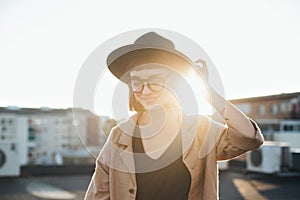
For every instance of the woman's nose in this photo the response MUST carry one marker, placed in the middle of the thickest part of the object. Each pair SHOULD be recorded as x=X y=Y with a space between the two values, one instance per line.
x=146 y=89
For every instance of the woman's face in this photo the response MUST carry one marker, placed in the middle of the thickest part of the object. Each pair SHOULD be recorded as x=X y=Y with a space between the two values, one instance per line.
x=150 y=88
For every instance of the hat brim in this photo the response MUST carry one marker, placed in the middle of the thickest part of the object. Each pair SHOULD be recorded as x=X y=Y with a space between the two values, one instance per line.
x=130 y=57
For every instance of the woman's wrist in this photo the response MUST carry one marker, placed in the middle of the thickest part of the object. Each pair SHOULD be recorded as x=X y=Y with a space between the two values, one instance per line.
x=218 y=102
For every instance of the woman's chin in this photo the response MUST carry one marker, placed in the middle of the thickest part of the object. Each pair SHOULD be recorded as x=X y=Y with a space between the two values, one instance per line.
x=149 y=106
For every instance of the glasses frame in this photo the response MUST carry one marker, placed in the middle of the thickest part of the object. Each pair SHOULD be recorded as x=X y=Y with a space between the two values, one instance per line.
x=150 y=83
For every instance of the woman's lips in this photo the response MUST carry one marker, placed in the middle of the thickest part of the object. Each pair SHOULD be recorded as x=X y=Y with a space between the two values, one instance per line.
x=148 y=99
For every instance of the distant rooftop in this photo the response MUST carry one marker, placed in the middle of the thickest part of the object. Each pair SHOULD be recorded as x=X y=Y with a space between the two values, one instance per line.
x=19 y=110
x=269 y=97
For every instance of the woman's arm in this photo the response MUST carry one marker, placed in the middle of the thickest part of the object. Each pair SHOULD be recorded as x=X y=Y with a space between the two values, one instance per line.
x=238 y=120
x=242 y=135
x=99 y=185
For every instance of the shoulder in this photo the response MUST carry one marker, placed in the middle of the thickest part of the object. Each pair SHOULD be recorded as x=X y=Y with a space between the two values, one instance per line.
x=114 y=134
x=123 y=128
x=118 y=136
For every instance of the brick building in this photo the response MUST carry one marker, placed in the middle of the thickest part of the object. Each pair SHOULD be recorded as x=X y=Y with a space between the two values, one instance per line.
x=278 y=107
x=277 y=115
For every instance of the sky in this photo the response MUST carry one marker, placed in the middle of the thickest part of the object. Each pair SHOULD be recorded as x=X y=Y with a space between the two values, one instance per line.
x=254 y=45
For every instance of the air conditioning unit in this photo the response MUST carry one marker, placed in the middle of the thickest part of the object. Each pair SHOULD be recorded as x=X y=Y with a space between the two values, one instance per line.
x=270 y=158
x=9 y=160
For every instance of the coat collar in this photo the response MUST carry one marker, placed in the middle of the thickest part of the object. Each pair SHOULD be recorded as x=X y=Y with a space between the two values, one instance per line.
x=123 y=140
x=189 y=129
x=127 y=130
x=197 y=130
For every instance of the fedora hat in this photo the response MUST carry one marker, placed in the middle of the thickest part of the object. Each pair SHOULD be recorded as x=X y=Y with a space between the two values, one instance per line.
x=149 y=48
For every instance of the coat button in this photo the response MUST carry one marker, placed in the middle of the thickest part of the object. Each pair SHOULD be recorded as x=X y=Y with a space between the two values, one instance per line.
x=131 y=190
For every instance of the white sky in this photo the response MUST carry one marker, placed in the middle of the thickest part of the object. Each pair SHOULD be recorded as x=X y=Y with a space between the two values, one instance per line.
x=254 y=44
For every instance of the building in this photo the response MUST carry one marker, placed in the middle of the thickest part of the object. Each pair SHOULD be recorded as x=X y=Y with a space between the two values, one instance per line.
x=270 y=111
x=11 y=155
x=280 y=106
x=278 y=116
x=52 y=136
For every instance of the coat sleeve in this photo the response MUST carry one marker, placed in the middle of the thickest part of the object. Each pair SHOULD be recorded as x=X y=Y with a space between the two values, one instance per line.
x=242 y=134
x=99 y=187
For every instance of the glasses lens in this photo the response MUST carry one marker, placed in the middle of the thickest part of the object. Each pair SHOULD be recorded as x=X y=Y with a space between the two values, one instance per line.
x=155 y=87
x=137 y=85
x=155 y=84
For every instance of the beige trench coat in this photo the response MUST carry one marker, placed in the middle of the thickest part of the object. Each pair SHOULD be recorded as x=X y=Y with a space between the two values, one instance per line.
x=203 y=144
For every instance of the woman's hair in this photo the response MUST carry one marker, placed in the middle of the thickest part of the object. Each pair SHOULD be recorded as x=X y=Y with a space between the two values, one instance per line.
x=134 y=105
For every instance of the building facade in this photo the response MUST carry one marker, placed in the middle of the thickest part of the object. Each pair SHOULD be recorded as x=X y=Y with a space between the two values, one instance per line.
x=52 y=136
x=270 y=111
x=281 y=106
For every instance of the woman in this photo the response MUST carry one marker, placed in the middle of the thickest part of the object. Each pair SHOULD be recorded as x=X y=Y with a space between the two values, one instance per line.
x=161 y=153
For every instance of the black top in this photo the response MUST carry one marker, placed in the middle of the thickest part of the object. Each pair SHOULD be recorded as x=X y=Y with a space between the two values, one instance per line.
x=168 y=182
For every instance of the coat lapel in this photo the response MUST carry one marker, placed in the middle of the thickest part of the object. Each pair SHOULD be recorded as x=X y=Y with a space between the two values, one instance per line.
x=125 y=142
x=189 y=130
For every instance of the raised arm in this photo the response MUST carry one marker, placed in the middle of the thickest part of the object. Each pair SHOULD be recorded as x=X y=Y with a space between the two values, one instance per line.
x=242 y=133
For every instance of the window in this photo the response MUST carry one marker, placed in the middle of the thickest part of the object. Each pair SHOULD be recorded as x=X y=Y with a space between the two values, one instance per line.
x=288 y=128
x=284 y=107
x=262 y=109
x=4 y=129
x=274 y=109
x=244 y=107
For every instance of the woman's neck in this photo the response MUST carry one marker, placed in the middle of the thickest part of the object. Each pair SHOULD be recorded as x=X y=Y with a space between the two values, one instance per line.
x=158 y=113
x=157 y=120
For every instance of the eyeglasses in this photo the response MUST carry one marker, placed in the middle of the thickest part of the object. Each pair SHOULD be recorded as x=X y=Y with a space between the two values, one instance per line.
x=155 y=84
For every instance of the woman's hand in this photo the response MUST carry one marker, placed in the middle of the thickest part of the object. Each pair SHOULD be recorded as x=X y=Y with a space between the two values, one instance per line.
x=217 y=101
